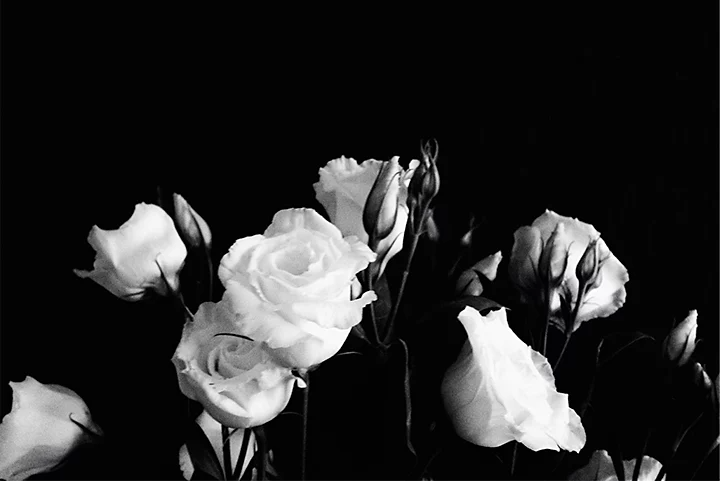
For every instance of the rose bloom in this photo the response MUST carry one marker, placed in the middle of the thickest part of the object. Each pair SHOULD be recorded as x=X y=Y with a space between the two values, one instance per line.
x=343 y=189
x=235 y=379
x=127 y=259
x=600 y=468
x=501 y=390
x=39 y=433
x=291 y=286
x=600 y=301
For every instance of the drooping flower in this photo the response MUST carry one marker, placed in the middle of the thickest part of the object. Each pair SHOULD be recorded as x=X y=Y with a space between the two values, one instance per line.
x=128 y=260
x=47 y=422
x=501 y=390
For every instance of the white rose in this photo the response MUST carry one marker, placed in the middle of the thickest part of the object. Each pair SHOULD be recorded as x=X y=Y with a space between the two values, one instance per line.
x=127 y=259
x=39 y=433
x=235 y=379
x=291 y=286
x=213 y=431
x=501 y=390
x=343 y=190
x=601 y=468
x=601 y=300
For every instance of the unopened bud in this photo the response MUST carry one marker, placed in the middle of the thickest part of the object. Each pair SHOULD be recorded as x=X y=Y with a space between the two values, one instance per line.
x=489 y=265
x=554 y=258
x=468 y=284
x=701 y=378
x=382 y=204
x=425 y=182
x=680 y=344
x=588 y=266
x=431 y=227
x=193 y=228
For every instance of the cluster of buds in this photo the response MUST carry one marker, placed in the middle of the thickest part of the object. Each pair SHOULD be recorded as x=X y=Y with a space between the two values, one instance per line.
x=424 y=186
x=383 y=203
x=680 y=344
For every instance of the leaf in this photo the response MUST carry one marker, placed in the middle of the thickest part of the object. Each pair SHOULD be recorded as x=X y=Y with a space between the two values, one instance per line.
x=202 y=453
x=616 y=343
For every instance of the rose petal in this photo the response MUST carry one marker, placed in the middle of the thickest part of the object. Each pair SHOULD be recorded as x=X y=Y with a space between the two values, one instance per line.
x=289 y=220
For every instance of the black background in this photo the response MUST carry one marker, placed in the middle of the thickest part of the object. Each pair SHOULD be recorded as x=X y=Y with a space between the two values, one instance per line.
x=609 y=115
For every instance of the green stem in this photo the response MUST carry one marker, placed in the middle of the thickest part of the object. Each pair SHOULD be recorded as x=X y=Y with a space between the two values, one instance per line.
x=406 y=273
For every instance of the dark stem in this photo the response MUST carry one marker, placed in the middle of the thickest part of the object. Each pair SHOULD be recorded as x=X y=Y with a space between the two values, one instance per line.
x=306 y=403
x=375 y=334
x=712 y=448
x=262 y=451
x=406 y=273
x=676 y=445
x=639 y=459
x=546 y=324
x=227 y=462
x=240 y=464
x=513 y=458
x=562 y=351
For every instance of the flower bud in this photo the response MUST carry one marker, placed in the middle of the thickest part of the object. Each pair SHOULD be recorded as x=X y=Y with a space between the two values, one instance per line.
x=193 y=228
x=588 y=266
x=381 y=208
x=554 y=258
x=680 y=344
x=425 y=182
x=701 y=378
x=468 y=284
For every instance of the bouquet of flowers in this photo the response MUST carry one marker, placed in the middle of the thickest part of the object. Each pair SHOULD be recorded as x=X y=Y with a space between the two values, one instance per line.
x=448 y=363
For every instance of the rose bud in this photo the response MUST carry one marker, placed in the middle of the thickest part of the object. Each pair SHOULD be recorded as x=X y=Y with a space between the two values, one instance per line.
x=554 y=258
x=469 y=283
x=425 y=183
x=193 y=228
x=343 y=190
x=588 y=267
x=701 y=378
x=381 y=207
x=680 y=344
